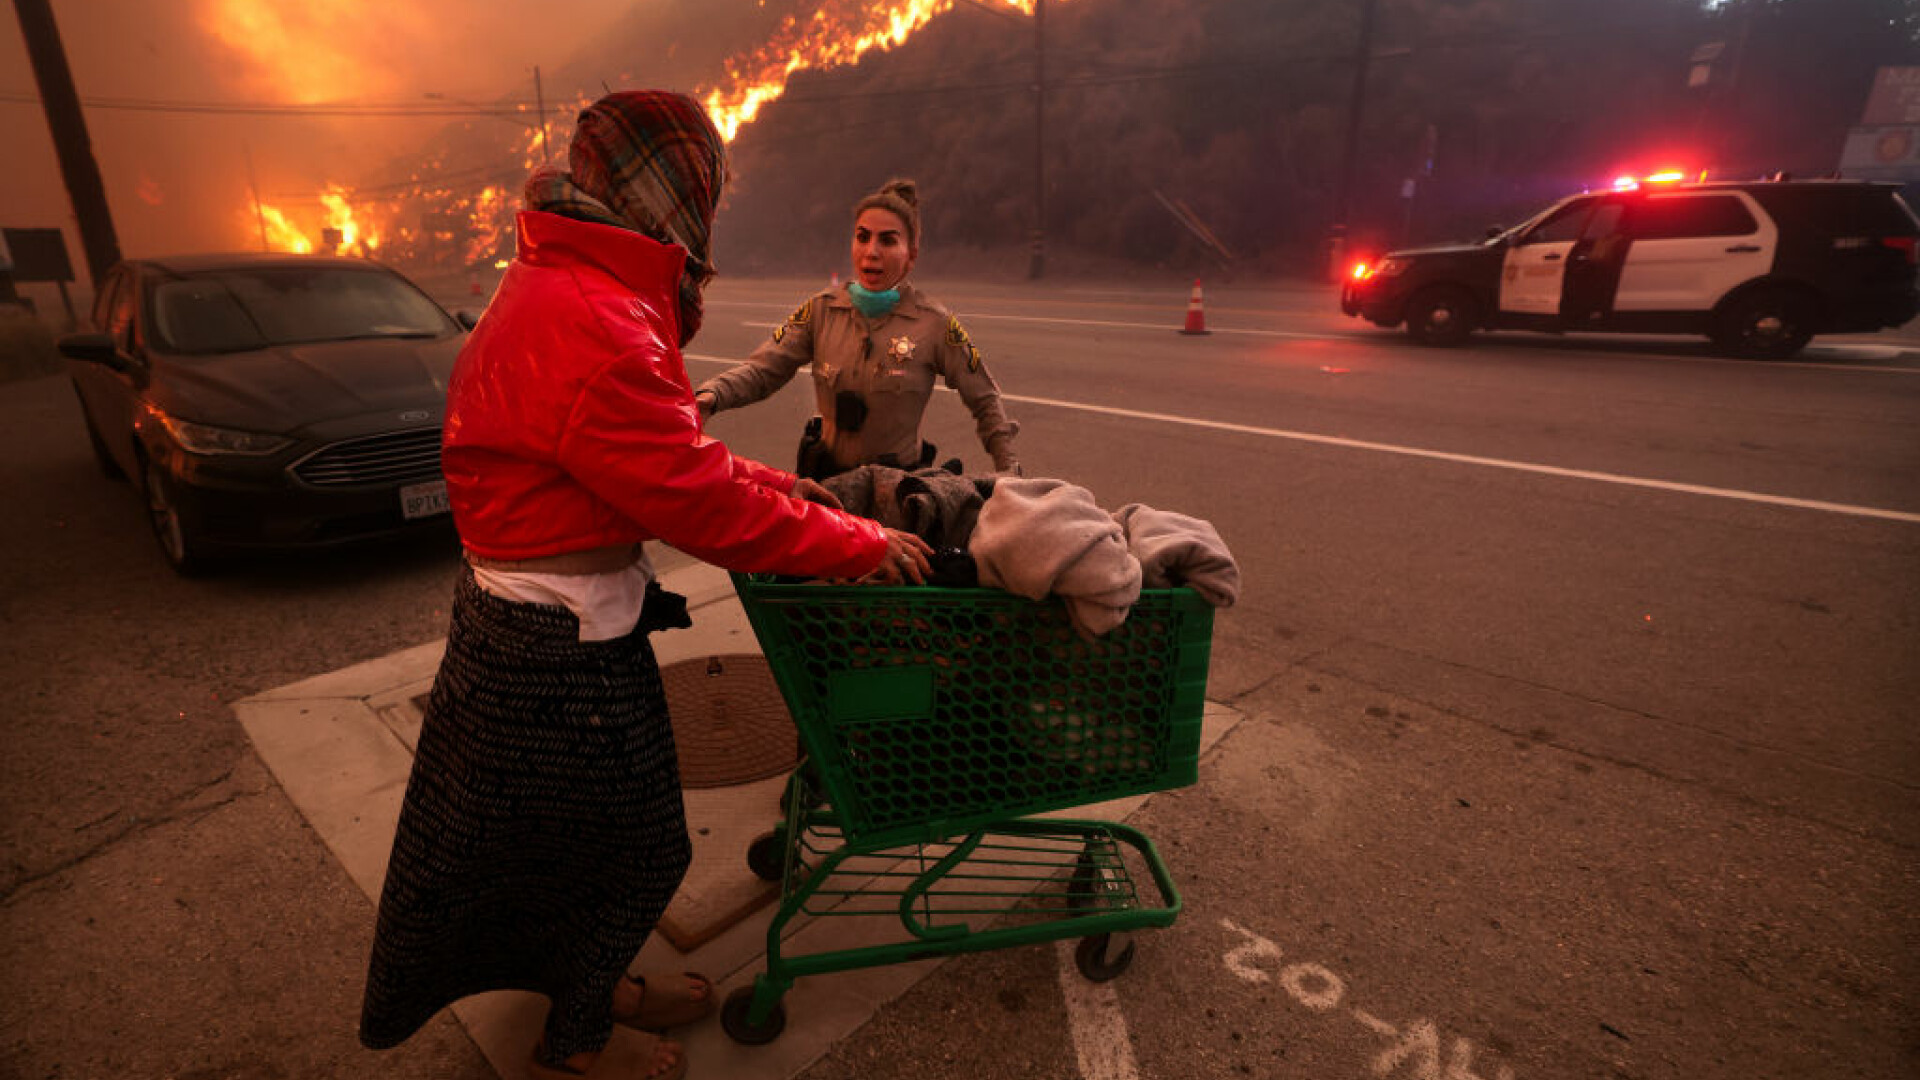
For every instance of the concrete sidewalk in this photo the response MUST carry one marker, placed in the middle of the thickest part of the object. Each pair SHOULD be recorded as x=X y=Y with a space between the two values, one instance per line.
x=341 y=745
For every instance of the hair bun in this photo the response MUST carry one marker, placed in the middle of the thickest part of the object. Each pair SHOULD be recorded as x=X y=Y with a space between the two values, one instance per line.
x=901 y=198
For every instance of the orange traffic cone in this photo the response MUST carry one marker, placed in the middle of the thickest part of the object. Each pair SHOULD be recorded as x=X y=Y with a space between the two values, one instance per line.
x=1196 y=315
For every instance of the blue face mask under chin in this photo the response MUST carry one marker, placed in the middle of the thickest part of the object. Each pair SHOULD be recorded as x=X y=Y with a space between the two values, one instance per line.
x=872 y=304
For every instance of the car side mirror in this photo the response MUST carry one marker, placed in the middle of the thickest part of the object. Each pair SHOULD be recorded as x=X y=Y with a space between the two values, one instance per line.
x=467 y=319
x=94 y=348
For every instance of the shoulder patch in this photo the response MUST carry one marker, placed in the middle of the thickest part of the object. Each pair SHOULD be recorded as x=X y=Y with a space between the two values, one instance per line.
x=956 y=334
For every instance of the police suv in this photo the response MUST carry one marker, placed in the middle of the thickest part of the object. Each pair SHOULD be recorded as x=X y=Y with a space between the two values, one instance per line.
x=1758 y=266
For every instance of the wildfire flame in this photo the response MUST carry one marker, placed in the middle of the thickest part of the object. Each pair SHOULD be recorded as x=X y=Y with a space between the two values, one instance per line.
x=839 y=32
x=278 y=233
x=340 y=218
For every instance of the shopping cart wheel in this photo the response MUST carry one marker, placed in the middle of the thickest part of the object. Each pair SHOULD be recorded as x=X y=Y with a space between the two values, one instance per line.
x=1094 y=960
x=767 y=855
x=733 y=1019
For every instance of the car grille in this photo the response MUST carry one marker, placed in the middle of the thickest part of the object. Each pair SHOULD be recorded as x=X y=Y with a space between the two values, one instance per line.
x=400 y=457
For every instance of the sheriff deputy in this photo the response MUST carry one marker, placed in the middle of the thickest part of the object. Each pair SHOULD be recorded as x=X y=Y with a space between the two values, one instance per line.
x=875 y=345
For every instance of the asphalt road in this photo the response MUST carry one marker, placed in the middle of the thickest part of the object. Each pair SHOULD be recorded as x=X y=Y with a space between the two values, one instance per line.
x=1579 y=741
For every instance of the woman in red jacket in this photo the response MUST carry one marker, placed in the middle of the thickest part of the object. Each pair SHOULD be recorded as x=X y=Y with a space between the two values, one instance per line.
x=542 y=832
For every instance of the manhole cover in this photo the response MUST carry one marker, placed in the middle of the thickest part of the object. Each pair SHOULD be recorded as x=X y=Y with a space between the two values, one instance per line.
x=730 y=724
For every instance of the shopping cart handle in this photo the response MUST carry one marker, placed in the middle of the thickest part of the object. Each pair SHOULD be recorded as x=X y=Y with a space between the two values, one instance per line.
x=925 y=881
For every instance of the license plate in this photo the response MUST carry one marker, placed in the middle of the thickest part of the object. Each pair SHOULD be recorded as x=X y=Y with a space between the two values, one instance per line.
x=424 y=500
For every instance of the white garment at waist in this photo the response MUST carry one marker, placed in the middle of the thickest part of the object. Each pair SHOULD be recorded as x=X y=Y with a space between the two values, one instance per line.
x=607 y=603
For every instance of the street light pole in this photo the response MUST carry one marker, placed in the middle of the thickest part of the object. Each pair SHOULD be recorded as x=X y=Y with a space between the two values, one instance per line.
x=1356 y=103
x=1037 y=268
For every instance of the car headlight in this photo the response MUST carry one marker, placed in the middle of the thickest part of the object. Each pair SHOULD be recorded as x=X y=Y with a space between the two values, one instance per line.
x=1389 y=267
x=207 y=439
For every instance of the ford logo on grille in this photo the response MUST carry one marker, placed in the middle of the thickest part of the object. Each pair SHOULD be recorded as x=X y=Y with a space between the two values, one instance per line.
x=413 y=415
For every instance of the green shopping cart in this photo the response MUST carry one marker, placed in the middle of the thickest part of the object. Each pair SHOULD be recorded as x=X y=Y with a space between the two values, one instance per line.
x=941 y=728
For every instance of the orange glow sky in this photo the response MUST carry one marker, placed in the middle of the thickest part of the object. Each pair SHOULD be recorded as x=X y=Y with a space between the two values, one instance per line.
x=173 y=179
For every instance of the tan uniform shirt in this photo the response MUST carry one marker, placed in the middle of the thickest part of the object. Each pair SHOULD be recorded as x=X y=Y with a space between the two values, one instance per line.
x=890 y=363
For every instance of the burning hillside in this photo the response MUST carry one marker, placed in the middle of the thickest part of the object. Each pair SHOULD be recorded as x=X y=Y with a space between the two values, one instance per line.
x=456 y=205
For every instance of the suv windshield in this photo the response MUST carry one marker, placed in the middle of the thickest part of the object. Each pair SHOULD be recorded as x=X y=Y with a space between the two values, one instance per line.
x=233 y=310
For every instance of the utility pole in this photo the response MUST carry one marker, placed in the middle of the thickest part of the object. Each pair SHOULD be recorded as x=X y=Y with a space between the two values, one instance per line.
x=1038 y=267
x=540 y=102
x=259 y=215
x=70 y=142
x=1356 y=103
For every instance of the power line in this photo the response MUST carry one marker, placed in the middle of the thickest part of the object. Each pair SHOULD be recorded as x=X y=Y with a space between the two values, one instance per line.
x=430 y=110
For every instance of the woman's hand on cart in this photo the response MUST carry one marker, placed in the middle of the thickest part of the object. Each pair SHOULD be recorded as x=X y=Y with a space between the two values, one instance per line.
x=815 y=492
x=906 y=561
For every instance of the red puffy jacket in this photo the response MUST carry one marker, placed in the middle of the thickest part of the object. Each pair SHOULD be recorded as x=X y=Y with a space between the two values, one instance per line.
x=571 y=425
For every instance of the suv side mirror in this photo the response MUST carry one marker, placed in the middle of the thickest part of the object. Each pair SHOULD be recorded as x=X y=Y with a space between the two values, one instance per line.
x=94 y=348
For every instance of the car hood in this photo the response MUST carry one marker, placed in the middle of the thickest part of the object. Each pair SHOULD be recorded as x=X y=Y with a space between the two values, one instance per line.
x=289 y=387
x=1463 y=247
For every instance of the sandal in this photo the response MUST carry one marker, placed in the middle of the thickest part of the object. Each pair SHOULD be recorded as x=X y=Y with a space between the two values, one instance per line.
x=618 y=1064
x=668 y=1003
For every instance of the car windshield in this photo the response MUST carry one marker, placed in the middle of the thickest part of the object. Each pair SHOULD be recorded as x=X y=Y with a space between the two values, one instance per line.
x=234 y=310
x=1513 y=232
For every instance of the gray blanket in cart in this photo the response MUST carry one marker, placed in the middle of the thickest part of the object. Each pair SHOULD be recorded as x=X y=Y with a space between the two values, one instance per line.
x=1038 y=537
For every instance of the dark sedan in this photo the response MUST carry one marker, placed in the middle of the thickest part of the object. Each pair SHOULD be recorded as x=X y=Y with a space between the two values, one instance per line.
x=268 y=401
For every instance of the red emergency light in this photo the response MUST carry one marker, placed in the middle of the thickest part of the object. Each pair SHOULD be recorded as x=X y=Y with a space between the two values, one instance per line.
x=1663 y=176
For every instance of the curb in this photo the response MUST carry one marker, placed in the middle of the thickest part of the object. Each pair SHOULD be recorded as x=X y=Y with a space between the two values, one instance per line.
x=341 y=746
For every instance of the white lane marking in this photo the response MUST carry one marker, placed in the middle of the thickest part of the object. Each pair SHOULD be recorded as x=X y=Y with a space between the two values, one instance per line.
x=1100 y=1039
x=1166 y=326
x=1457 y=459
x=1363 y=336
x=1485 y=462
x=758 y=325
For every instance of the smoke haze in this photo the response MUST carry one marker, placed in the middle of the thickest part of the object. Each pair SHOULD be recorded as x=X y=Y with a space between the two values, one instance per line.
x=177 y=172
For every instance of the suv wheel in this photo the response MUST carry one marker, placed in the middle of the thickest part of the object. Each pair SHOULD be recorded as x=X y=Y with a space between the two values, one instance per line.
x=178 y=538
x=1442 y=316
x=1766 y=324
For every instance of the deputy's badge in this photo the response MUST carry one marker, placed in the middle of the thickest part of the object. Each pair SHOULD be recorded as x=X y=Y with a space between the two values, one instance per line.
x=901 y=350
x=956 y=334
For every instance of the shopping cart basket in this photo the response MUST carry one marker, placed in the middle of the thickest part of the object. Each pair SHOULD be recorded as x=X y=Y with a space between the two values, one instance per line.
x=936 y=724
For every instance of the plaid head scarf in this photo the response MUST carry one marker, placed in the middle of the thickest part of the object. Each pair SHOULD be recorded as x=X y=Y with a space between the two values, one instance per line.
x=650 y=161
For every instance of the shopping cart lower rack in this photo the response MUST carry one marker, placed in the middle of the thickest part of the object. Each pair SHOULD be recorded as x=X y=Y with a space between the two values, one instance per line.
x=938 y=725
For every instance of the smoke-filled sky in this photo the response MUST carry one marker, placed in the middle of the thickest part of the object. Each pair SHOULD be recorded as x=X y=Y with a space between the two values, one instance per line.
x=177 y=175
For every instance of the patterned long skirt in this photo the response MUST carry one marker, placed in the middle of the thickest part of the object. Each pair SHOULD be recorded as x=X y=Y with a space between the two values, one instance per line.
x=542 y=832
